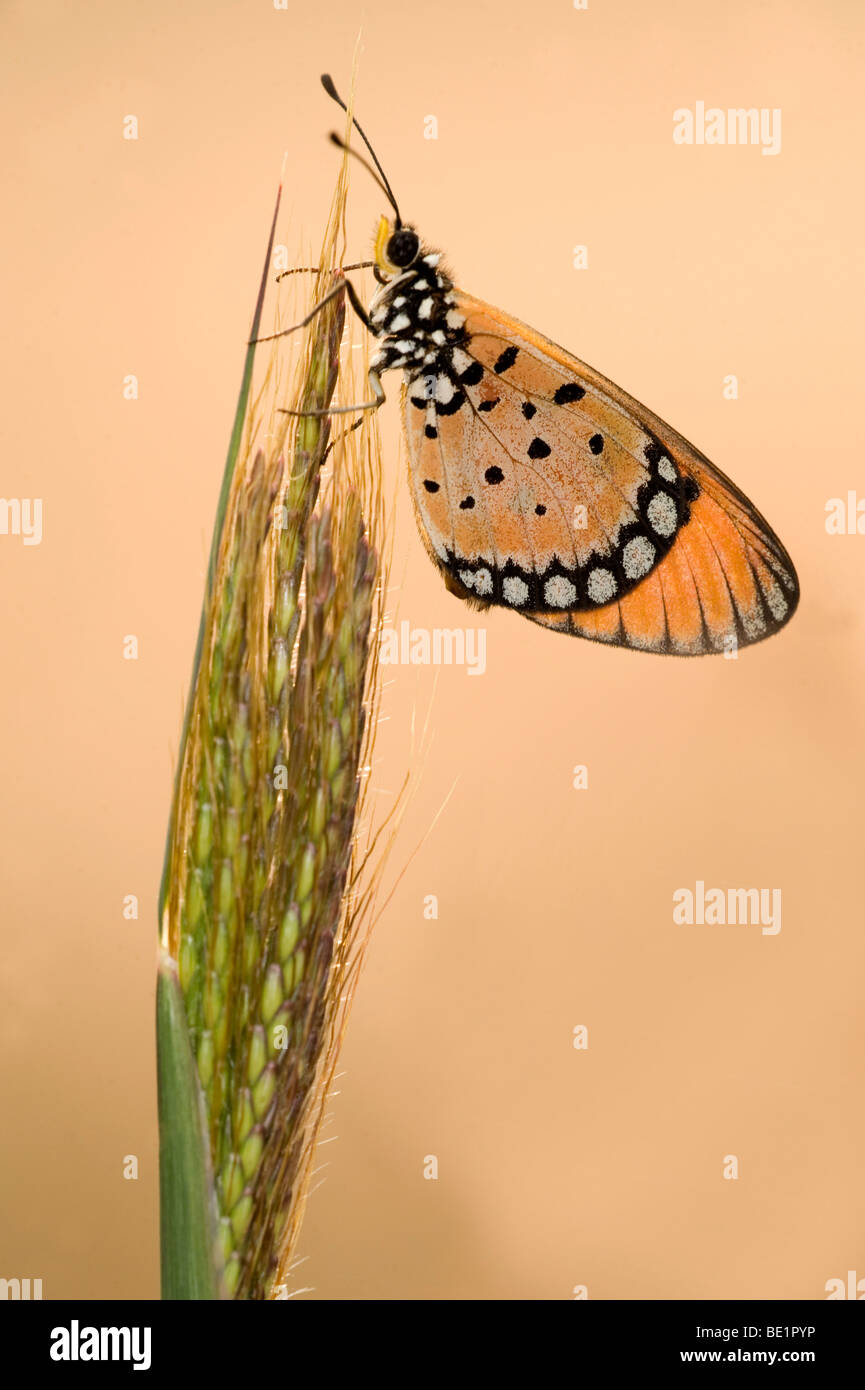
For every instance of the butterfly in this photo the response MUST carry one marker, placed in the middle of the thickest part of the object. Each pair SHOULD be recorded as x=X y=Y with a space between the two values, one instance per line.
x=542 y=487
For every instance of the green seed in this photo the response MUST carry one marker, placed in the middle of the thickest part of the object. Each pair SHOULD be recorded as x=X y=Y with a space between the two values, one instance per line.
x=262 y=1092
x=280 y=659
x=240 y=1216
x=285 y=606
x=318 y=813
x=250 y=1154
x=271 y=995
x=204 y=833
x=244 y=1113
x=289 y=932
x=194 y=899
x=225 y=1237
x=257 y=1054
x=225 y=890
x=188 y=962
x=213 y=999
x=205 y=1058
x=232 y=1182
x=306 y=876
x=232 y=1273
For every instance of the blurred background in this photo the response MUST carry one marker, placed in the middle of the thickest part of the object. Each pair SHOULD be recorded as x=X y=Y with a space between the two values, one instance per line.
x=558 y=1168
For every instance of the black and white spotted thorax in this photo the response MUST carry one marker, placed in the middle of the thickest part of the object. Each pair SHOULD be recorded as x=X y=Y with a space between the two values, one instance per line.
x=415 y=315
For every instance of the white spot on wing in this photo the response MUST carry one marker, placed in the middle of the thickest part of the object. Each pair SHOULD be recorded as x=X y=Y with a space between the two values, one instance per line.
x=661 y=512
x=638 y=557
x=559 y=591
x=515 y=590
x=601 y=585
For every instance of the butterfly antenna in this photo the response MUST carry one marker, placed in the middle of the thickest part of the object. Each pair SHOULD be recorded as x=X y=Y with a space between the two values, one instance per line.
x=380 y=177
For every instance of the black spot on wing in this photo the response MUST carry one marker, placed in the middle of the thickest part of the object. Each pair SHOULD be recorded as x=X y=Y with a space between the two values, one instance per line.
x=539 y=448
x=568 y=392
x=505 y=360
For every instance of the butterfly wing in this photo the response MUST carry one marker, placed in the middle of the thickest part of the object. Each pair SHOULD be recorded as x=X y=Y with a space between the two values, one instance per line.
x=542 y=487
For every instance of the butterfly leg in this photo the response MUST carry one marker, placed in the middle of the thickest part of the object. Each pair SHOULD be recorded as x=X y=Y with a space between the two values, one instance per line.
x=378 y=398
x=336 y=289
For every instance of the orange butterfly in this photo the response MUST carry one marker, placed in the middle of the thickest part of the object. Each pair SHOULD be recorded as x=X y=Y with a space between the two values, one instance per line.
x=542 y=487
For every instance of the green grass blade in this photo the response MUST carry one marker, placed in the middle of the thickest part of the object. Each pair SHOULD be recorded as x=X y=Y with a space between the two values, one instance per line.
x=188 y=1219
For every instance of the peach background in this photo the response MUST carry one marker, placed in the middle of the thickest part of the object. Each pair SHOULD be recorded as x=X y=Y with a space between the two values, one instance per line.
x=557 y=1167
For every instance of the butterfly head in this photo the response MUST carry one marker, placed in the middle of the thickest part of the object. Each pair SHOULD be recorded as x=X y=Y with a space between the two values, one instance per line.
x=397 y=247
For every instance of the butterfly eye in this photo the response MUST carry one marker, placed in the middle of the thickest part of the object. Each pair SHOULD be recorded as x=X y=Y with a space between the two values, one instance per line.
x=402 y=248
